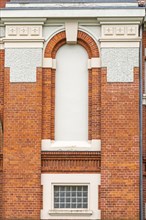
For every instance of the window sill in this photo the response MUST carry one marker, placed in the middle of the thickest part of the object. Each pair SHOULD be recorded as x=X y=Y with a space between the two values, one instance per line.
x=72 y=212
x=48 y=145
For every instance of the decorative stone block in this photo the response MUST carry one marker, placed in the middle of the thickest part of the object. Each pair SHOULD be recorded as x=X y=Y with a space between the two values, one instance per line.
x=131 y=30
x=12 y=31
x=71 y=29
x=35 y=31
x=23 y=31
x=120 y=30
x=108 y=30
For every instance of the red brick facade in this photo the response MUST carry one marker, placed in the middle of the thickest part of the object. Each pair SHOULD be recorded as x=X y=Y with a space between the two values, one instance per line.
x=27 y=113
x=120 y=149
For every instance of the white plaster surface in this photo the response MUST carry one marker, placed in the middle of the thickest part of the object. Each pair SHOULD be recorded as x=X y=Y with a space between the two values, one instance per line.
x=92 y=180
x=120 y=63
x=71 y=94
x=2 y=31
x=23 y=63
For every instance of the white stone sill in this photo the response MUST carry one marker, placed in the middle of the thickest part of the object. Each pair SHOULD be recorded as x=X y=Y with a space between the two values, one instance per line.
x=48 y=145
x=71 y=212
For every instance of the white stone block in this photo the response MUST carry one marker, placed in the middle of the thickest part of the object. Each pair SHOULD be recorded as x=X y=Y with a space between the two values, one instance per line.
x=71 y=28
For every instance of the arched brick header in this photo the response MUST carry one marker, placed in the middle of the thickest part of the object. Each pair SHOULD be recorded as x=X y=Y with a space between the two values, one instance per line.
x=94 y=83
x=60 y=39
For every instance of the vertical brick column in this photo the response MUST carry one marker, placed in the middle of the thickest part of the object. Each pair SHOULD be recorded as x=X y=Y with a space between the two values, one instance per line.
x=1 y=120
x=2 y=53
x=120 y=148
x=22 y=148
x=144 y=123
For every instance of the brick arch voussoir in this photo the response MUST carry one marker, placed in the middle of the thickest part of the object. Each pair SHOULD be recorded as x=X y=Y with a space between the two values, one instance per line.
x=53 y=44
x=83 y=39
x=88 y=43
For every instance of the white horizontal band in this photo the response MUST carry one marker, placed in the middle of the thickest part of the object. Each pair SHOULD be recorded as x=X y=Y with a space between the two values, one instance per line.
x=70 y=212
x=48 y=145
x=49 y=63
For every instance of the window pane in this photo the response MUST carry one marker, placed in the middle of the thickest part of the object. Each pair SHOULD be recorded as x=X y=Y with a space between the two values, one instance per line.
x=75 y=197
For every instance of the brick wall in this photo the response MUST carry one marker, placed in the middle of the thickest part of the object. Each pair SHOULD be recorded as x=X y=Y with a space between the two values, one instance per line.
x=3 y=3
x=144 y=122
x=1 y=120
x=120 y=149
x=2 y=53
x=22 y=150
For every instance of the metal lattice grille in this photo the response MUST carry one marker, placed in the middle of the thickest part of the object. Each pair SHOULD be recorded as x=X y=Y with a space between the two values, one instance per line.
x=71 y=197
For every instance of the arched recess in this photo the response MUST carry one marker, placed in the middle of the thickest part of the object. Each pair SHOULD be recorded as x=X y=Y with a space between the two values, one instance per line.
x=94 y=79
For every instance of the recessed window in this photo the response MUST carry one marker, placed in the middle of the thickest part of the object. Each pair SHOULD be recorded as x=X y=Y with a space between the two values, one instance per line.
x=71 y=94
x=71 y=197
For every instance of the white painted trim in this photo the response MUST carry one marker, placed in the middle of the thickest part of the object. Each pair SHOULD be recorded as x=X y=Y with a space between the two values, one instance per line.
x=24 y=45
x=94 y=63
x=65 y=212
x=48 y=145
x=49 y=180
x=129 y=13
x=1 y=45
x=71 y=4
x=112 y=44
x=49 y=63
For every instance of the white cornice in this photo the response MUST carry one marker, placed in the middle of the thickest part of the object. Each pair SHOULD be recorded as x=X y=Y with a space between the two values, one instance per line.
x=133 y=14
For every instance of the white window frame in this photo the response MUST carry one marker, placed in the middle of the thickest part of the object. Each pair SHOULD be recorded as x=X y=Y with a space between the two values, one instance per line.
x=69 y=210
x=50 y=180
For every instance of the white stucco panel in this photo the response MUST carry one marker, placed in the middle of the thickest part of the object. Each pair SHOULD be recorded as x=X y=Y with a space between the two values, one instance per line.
x=120 y=63
x=23 y=63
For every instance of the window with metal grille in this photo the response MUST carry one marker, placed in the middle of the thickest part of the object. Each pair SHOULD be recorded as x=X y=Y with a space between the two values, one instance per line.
x=71 y=197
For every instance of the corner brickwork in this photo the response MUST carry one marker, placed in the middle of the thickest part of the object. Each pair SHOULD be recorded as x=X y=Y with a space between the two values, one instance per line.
x=22 y=149
x=144 y=124
x=120 y=149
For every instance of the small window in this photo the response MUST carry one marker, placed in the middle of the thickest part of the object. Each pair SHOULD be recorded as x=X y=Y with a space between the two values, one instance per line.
x=70 y=197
